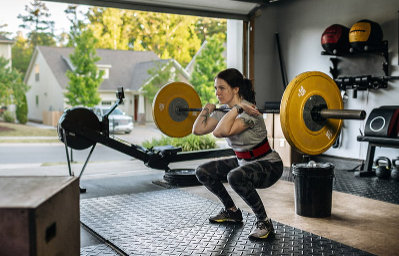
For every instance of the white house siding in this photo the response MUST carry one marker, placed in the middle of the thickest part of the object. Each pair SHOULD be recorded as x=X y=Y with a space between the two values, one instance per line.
x=5 y=50
x=148 y=110
x=128 y=103
x=47 y=89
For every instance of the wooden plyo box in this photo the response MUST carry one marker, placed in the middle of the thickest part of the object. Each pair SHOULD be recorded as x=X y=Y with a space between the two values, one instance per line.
x=39 y=216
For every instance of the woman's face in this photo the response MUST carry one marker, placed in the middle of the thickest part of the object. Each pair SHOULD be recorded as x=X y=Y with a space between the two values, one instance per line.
x=224 y=92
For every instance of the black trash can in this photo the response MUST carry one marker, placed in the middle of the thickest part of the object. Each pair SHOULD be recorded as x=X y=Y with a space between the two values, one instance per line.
x=313 y=188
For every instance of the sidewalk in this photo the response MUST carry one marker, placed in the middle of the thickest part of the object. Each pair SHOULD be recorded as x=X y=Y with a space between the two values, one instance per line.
x=39 y=125
x=139 y=134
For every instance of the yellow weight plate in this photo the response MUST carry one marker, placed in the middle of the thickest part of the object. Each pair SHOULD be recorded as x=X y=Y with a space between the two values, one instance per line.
x=163 y=109
x=297 y=93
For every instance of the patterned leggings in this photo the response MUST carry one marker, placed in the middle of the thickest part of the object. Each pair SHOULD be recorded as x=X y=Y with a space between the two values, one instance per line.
x=243 y=179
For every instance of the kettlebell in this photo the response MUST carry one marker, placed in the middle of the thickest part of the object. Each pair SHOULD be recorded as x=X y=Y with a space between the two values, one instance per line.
x=395 y=169
x=383 y=171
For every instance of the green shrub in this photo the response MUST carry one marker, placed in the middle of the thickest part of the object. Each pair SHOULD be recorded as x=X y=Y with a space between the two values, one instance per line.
x=188 y=143
x=22 y=111
x=8 y=117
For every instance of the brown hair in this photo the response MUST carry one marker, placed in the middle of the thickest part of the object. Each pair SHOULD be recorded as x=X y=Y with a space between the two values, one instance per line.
x=234 y=79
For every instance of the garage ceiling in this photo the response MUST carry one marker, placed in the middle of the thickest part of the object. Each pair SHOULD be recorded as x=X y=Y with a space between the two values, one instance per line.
x=229 y=9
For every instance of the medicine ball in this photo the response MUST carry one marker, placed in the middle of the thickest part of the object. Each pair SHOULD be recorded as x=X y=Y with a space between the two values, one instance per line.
x=365 y=32
x=334 y=39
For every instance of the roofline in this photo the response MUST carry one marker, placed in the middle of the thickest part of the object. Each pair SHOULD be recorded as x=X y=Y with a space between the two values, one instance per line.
x=30 y=66
x=185 y=73
x=176 y=64
x=7 y=41
x=196 y=54
x=68 y=62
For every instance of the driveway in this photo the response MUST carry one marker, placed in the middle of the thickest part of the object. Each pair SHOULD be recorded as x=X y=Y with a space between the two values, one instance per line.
x=142 y=133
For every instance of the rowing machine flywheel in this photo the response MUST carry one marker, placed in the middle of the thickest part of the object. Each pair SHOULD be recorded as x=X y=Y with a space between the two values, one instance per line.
x=74 y=120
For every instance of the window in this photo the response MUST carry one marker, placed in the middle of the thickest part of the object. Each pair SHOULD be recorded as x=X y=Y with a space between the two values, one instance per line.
x=37 y=100
x=106 y=103
x=37 y=72
x=105 y=68
x=106 y=72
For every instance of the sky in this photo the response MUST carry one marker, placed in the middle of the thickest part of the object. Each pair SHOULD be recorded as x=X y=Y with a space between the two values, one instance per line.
x=10 y=11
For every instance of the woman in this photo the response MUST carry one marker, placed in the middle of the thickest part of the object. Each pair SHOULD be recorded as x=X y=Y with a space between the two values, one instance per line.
x=255 y=165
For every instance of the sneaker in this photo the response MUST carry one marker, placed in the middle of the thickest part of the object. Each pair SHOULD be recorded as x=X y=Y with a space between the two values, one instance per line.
x=227 y=216
x=263 y=229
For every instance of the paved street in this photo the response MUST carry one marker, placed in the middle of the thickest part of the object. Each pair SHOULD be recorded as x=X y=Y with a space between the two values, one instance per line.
x=51 y=153
x=27 y=158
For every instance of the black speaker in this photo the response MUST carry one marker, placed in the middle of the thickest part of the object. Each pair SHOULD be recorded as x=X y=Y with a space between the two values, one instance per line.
x=383 y=122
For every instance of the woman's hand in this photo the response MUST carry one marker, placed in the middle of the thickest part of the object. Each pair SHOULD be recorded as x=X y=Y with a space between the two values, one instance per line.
x=205 y=123
x=211 y=107
x=250 y=109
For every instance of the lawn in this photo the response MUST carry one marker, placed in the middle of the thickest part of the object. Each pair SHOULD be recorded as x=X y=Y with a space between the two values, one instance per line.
x=11 y=129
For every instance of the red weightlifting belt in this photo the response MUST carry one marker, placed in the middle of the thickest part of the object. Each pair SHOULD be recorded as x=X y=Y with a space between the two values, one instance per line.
x=258 y=151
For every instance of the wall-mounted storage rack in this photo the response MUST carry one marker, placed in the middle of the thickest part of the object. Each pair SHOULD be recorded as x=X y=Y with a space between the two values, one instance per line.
x=361 y=69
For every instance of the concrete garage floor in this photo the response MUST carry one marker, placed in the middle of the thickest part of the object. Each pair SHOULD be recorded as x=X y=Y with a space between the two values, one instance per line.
x=359 y=222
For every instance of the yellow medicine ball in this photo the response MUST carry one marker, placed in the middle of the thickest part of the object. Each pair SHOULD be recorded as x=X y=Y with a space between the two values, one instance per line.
x=365 y=32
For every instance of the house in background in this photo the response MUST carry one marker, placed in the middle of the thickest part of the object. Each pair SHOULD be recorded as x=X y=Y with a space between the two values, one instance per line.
x=5 y=47
x=46 y=76
x=5 y=52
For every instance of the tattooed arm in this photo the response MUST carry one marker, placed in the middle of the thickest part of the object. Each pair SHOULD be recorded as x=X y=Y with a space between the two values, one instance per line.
x=230 y=125
x=204 y=123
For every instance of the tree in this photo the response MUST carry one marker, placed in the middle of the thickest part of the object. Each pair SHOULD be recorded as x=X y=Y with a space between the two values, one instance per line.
x=207 y=64
x=21 y=53
x=168 y=35
x=12 y=87
x=111 y=26
x=161 y=74
x=37 y=21
x=22 y=111
x=76 y=28
x=4 y=33
x=41 y=33
x=207 y=27
x=85 y=78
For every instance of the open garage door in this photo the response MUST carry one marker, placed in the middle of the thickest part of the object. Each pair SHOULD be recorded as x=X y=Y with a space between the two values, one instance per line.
x=228 y=9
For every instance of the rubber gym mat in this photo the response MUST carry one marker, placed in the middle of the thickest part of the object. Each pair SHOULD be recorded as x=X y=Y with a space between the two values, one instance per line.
x=97 y=250
x=174 y=222
x=369 y=187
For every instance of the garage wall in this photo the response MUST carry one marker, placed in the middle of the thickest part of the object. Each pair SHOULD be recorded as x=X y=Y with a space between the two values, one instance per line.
x=234 y=42
x=300 y=24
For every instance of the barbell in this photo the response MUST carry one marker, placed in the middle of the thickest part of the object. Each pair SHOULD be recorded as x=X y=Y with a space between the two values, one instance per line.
x=311 y=111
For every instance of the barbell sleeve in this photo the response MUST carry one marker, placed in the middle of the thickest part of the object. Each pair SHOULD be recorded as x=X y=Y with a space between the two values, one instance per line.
x=342 y=114
x=324 y=113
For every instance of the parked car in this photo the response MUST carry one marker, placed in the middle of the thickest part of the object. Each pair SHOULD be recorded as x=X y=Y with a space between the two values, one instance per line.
x=2 y=110
x=119 y=122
